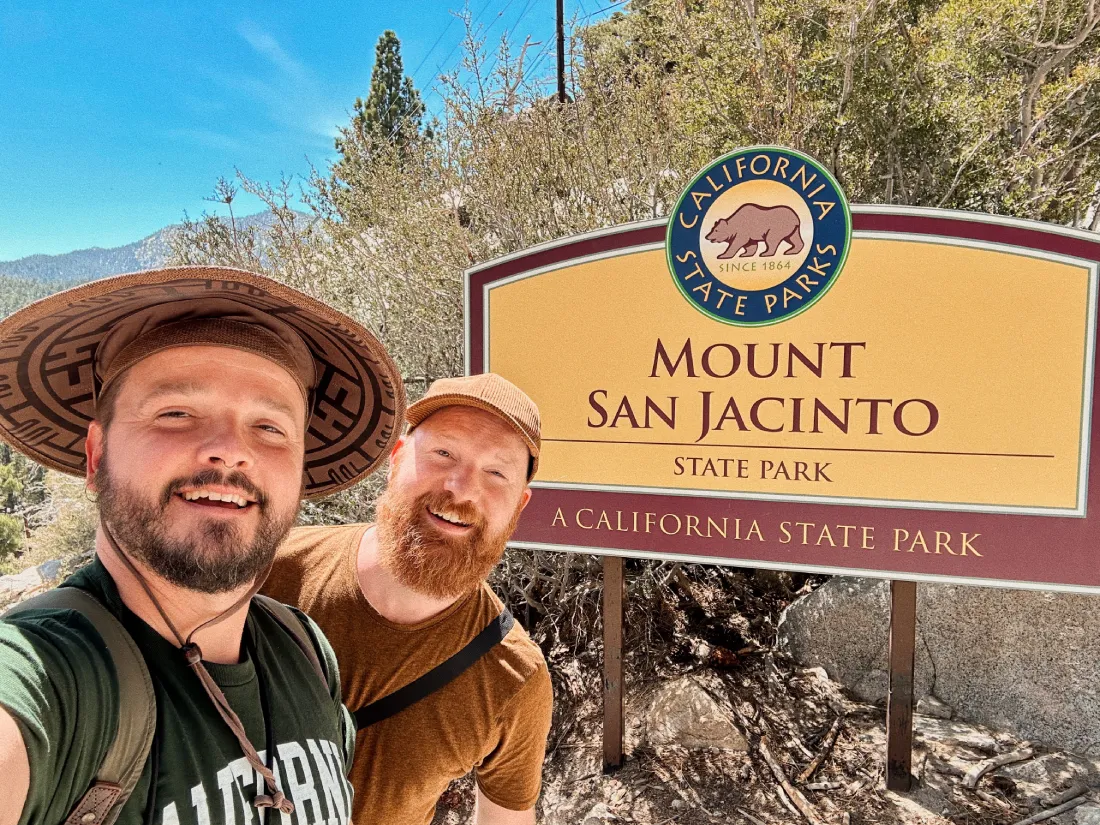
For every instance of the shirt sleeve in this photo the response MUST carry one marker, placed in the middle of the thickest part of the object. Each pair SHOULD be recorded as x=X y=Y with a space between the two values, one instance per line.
x=59 y=684
x=332 y=670
x=511 y=774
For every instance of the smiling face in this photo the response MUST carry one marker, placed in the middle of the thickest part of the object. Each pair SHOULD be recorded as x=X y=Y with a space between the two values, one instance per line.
x=457 y=485
x=199 y=472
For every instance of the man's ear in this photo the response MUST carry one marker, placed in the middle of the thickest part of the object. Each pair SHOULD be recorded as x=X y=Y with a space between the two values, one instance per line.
x=526 y=498
x=395 y=455
x=93 y=453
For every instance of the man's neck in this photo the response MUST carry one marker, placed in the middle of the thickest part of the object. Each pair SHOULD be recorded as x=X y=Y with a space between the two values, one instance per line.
x=389 y=597
x=220 y=643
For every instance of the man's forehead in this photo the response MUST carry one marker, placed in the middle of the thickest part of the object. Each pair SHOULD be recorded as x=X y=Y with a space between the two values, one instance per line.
x=463 y=422
x=215 y=365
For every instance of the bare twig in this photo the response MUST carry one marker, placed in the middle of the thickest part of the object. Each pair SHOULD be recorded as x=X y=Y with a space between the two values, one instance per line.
x=1052 y=812
x=749 y=816
x=826 y=745
x=982 y=768
x=804 y=806
x=1072 y=792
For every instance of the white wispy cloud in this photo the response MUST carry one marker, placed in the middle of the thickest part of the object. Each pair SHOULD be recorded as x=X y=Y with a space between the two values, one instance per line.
x=267 y=46
x=293 y=94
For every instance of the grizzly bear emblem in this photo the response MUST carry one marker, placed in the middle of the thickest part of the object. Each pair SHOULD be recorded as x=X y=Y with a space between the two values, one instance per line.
x=751 y=224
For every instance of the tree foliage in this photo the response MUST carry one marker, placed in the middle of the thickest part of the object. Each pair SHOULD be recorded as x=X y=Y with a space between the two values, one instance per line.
x=393 y=111
x=988 y=105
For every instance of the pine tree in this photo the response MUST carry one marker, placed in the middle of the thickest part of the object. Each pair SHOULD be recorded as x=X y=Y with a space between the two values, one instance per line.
x=393 y=111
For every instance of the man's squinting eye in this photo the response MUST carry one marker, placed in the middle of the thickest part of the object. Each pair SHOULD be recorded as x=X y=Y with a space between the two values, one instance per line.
x=271 y=428
x=174 y=414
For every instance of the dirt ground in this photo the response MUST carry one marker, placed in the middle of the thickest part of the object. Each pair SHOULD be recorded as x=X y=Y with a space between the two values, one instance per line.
x=722 y=638
x=791 y=711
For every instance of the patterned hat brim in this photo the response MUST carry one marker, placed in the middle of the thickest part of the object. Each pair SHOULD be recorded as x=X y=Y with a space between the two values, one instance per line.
x=47 y=369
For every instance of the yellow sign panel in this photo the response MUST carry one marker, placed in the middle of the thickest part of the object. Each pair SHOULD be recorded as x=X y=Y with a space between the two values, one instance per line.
x=923 y=378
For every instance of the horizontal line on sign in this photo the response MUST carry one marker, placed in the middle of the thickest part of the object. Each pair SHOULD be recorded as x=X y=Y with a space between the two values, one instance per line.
x=767 y=447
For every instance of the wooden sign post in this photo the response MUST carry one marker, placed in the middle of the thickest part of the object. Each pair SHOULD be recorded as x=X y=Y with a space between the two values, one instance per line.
x=613 y=613
x=770 y=380
x=899 y=700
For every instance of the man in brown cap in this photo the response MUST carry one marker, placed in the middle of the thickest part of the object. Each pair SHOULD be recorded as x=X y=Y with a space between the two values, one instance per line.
x=439 y=677
x=200 y=404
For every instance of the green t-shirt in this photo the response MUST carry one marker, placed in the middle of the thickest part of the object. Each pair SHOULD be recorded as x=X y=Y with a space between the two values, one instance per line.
x=57 y=680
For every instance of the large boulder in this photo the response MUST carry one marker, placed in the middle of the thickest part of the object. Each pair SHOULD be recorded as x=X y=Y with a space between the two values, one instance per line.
x=1020 y=660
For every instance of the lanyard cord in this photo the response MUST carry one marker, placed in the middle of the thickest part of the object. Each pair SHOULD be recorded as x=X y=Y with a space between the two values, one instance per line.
x=274 y=798
x=265 y=698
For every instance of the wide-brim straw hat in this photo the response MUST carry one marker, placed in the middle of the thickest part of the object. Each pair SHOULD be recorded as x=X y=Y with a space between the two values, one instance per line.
x=51 y=375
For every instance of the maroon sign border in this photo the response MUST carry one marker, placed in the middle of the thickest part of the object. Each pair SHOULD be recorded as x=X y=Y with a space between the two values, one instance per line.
x=1011 y=550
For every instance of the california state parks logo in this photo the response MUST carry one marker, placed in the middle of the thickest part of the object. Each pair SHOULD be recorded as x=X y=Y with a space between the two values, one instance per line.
x=758 y=236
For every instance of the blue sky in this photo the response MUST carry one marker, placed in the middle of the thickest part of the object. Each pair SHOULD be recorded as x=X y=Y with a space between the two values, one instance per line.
x=117 y=116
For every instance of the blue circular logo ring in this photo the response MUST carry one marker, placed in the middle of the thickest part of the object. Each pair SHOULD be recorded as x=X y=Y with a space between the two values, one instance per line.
x=758 y=236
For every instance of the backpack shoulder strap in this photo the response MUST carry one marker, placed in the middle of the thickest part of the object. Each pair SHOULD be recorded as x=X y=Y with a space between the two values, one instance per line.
x=137 y=718
x=292 y=624
x=439 y=676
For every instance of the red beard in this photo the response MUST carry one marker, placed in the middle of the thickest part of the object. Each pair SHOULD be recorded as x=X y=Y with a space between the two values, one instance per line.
x=426 y=560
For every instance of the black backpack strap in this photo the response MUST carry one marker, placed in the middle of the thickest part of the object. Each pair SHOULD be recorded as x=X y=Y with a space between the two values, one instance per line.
x=292 y=624
x=439 y=676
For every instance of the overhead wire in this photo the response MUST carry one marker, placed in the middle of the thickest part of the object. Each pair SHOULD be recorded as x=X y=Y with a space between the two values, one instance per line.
x=515 y=25
x=533 y=67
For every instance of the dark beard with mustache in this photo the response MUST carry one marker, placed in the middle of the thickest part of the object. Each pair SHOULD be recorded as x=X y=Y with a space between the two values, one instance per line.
x=216 y=558
x=428 y=561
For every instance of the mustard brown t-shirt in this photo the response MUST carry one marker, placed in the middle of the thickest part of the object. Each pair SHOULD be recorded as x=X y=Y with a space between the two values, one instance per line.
x=493 y=719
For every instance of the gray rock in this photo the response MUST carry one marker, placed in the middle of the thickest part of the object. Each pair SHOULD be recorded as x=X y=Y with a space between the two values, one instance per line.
x=1020 y=660
x=599 y=814
x=682 y=712
x=16 y=584
x=931 y=706
x=1087 y=815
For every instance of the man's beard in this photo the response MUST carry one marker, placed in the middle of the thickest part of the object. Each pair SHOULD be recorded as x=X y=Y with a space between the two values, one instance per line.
x=426 y=560
x=216 y=558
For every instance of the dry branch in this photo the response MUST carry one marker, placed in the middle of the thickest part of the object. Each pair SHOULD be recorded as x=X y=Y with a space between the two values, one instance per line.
x=798 y=800
x=749 y=817
x=982 y=768
x=1052 y=812
x=1072 y=792
x=826 y=745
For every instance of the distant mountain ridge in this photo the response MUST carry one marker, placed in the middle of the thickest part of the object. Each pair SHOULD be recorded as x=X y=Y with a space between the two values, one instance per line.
x=89 y=264
x=36 y=276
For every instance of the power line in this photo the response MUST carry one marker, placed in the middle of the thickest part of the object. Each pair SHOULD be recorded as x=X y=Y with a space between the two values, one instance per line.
x=500 y=14
x=605 y=8
x=515 y=25
x=420 y=65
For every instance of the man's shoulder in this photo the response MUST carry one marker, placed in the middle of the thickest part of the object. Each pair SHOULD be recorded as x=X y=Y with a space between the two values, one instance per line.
x=51 y=627
x=49 y=623
x=303 y=542
x=517 y=660
x=307 y=561
x=55 y=666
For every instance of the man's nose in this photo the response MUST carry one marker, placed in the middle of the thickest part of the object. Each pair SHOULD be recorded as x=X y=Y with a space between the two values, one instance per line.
x=461 y=482
x=227 y=446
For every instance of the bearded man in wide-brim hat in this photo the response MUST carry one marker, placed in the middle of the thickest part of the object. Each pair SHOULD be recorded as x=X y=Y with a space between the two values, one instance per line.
x=201 y=405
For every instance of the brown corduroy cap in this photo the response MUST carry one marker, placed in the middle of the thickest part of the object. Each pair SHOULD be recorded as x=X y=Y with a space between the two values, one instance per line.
x=59 y=354
x=488 y=392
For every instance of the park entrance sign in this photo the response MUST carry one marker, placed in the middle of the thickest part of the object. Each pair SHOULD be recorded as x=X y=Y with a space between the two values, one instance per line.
x=771 y=379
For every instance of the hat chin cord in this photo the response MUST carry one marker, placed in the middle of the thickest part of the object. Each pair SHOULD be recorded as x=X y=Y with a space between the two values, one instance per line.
x=274 y=798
